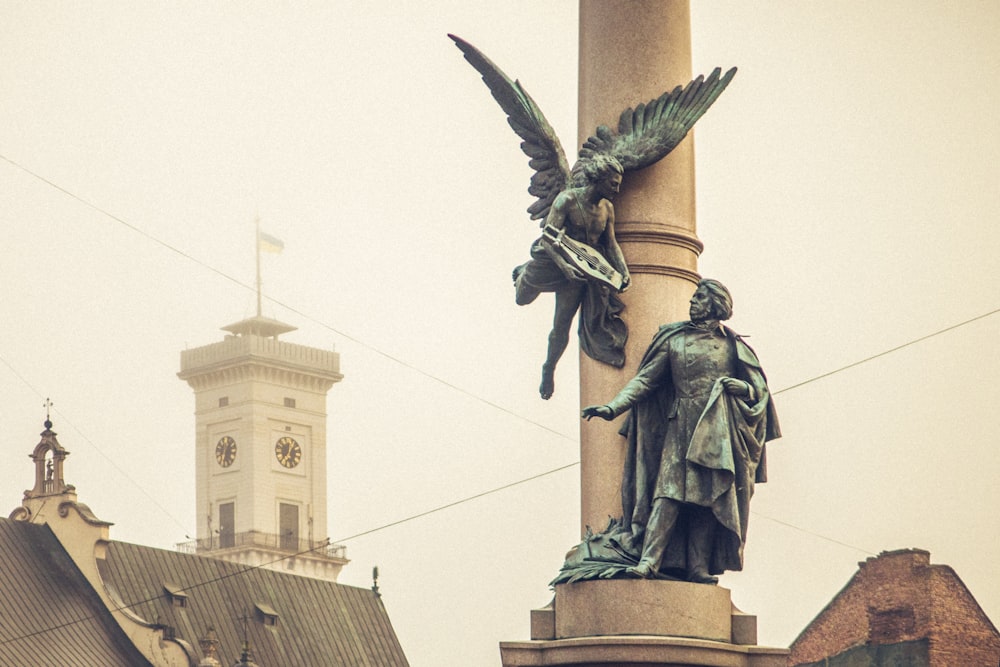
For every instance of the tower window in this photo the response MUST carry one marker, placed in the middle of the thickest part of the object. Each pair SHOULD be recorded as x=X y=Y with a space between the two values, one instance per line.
x=289 y=402
x=223 y=401
x=288 y=524
x=227 y=525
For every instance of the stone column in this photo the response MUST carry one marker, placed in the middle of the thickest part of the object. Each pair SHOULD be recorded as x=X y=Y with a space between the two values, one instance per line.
x=633 y=51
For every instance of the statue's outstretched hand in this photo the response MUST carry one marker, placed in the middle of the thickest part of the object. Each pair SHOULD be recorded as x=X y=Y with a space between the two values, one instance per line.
x=602 y=411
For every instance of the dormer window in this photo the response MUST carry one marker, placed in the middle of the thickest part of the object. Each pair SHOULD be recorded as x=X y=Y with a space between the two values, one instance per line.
x=175 y=594
x=266 y=614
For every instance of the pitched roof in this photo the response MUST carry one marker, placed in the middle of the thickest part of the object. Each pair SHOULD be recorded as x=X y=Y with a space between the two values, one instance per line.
x=318 y=622
x=50 y=615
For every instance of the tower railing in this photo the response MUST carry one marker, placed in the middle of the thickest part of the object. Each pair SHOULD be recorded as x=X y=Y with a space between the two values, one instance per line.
x=256 y=538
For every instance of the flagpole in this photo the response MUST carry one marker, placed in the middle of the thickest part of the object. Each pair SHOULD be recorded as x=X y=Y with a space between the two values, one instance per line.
x=257 y=246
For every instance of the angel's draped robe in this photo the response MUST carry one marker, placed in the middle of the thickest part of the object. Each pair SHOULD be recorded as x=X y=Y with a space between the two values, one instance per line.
x=601 y=329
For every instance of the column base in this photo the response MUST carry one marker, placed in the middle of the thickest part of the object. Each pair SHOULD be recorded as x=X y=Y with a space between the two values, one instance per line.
x=637 y=651
x=641 y=623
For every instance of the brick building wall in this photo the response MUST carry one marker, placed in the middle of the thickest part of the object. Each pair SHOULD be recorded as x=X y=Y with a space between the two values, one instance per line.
x=961 y=633
x=899 y=599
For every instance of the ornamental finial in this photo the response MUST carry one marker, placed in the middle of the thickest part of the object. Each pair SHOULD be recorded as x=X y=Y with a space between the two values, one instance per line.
x=48 y=412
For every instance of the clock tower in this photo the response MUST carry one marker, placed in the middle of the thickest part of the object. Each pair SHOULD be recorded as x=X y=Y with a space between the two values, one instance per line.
x=260 y=449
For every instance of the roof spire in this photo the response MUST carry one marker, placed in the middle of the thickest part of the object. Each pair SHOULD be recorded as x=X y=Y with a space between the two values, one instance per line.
x=246 y=655
x=48 y=415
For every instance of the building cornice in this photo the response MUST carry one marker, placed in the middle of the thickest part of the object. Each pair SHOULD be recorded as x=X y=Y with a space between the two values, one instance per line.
x=244 y=358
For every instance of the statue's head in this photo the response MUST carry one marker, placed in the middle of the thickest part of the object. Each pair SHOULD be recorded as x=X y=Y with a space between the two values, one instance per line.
x=716 y=297
x=600 y=167
x=605 y=173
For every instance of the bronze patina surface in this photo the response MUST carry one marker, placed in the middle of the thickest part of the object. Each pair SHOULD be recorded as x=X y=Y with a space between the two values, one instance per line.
x=577 y=257
x=699 y=414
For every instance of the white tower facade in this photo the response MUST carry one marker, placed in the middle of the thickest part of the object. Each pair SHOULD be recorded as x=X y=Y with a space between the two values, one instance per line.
x=261 y=449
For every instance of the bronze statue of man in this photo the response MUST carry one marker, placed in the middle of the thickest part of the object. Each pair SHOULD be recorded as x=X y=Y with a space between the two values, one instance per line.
x=584 y=214
x=699 y=415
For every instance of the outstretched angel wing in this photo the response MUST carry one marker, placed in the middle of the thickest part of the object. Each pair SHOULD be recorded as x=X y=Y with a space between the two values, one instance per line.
x=647 y=133
x=552 y=174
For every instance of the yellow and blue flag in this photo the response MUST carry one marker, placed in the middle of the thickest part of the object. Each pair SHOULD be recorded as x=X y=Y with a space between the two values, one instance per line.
x=269 y=243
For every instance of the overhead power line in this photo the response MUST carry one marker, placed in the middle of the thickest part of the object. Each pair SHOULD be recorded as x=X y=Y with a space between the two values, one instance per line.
x=459 y=389
x=109 y=459
x=130 y=605
x=459 y=502
x=889 y=351
x=290 y=308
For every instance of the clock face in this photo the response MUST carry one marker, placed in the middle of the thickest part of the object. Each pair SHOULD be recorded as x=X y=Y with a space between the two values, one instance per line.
x=288 y=452
x=225 y=451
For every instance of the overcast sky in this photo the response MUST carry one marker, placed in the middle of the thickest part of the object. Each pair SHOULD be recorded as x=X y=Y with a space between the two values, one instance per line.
x=847 y=194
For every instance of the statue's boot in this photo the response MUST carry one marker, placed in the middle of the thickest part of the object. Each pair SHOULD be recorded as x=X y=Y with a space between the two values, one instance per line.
x=662 y=520
x=523 y=292
x=701 y=531
x=548 y=384
x=630 y=543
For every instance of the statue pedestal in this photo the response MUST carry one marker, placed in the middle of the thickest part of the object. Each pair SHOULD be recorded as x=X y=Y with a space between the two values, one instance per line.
x=641 y=623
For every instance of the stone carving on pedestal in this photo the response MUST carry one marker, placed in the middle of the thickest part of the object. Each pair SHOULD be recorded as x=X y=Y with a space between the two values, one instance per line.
x=577 y=256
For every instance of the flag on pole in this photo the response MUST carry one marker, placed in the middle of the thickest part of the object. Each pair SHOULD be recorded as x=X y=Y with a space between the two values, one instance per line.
x=269 y=243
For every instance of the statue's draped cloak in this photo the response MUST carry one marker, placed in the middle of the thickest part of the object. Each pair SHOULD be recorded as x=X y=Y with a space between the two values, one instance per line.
x=698 y=446
x=601 y=329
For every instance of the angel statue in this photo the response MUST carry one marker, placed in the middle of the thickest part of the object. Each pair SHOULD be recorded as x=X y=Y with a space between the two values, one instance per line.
x=577 y=256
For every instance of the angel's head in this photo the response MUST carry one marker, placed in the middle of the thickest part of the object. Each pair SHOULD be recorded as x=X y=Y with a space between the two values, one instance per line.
x=604 y=173
x=600 y=167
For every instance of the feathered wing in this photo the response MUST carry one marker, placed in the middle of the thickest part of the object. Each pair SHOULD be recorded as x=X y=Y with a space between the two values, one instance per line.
x=647 y=133
x=552 y=174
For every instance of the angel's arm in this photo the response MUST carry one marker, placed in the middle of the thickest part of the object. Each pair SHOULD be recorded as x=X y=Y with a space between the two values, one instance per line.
x=613 y=251
x=556 y=219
